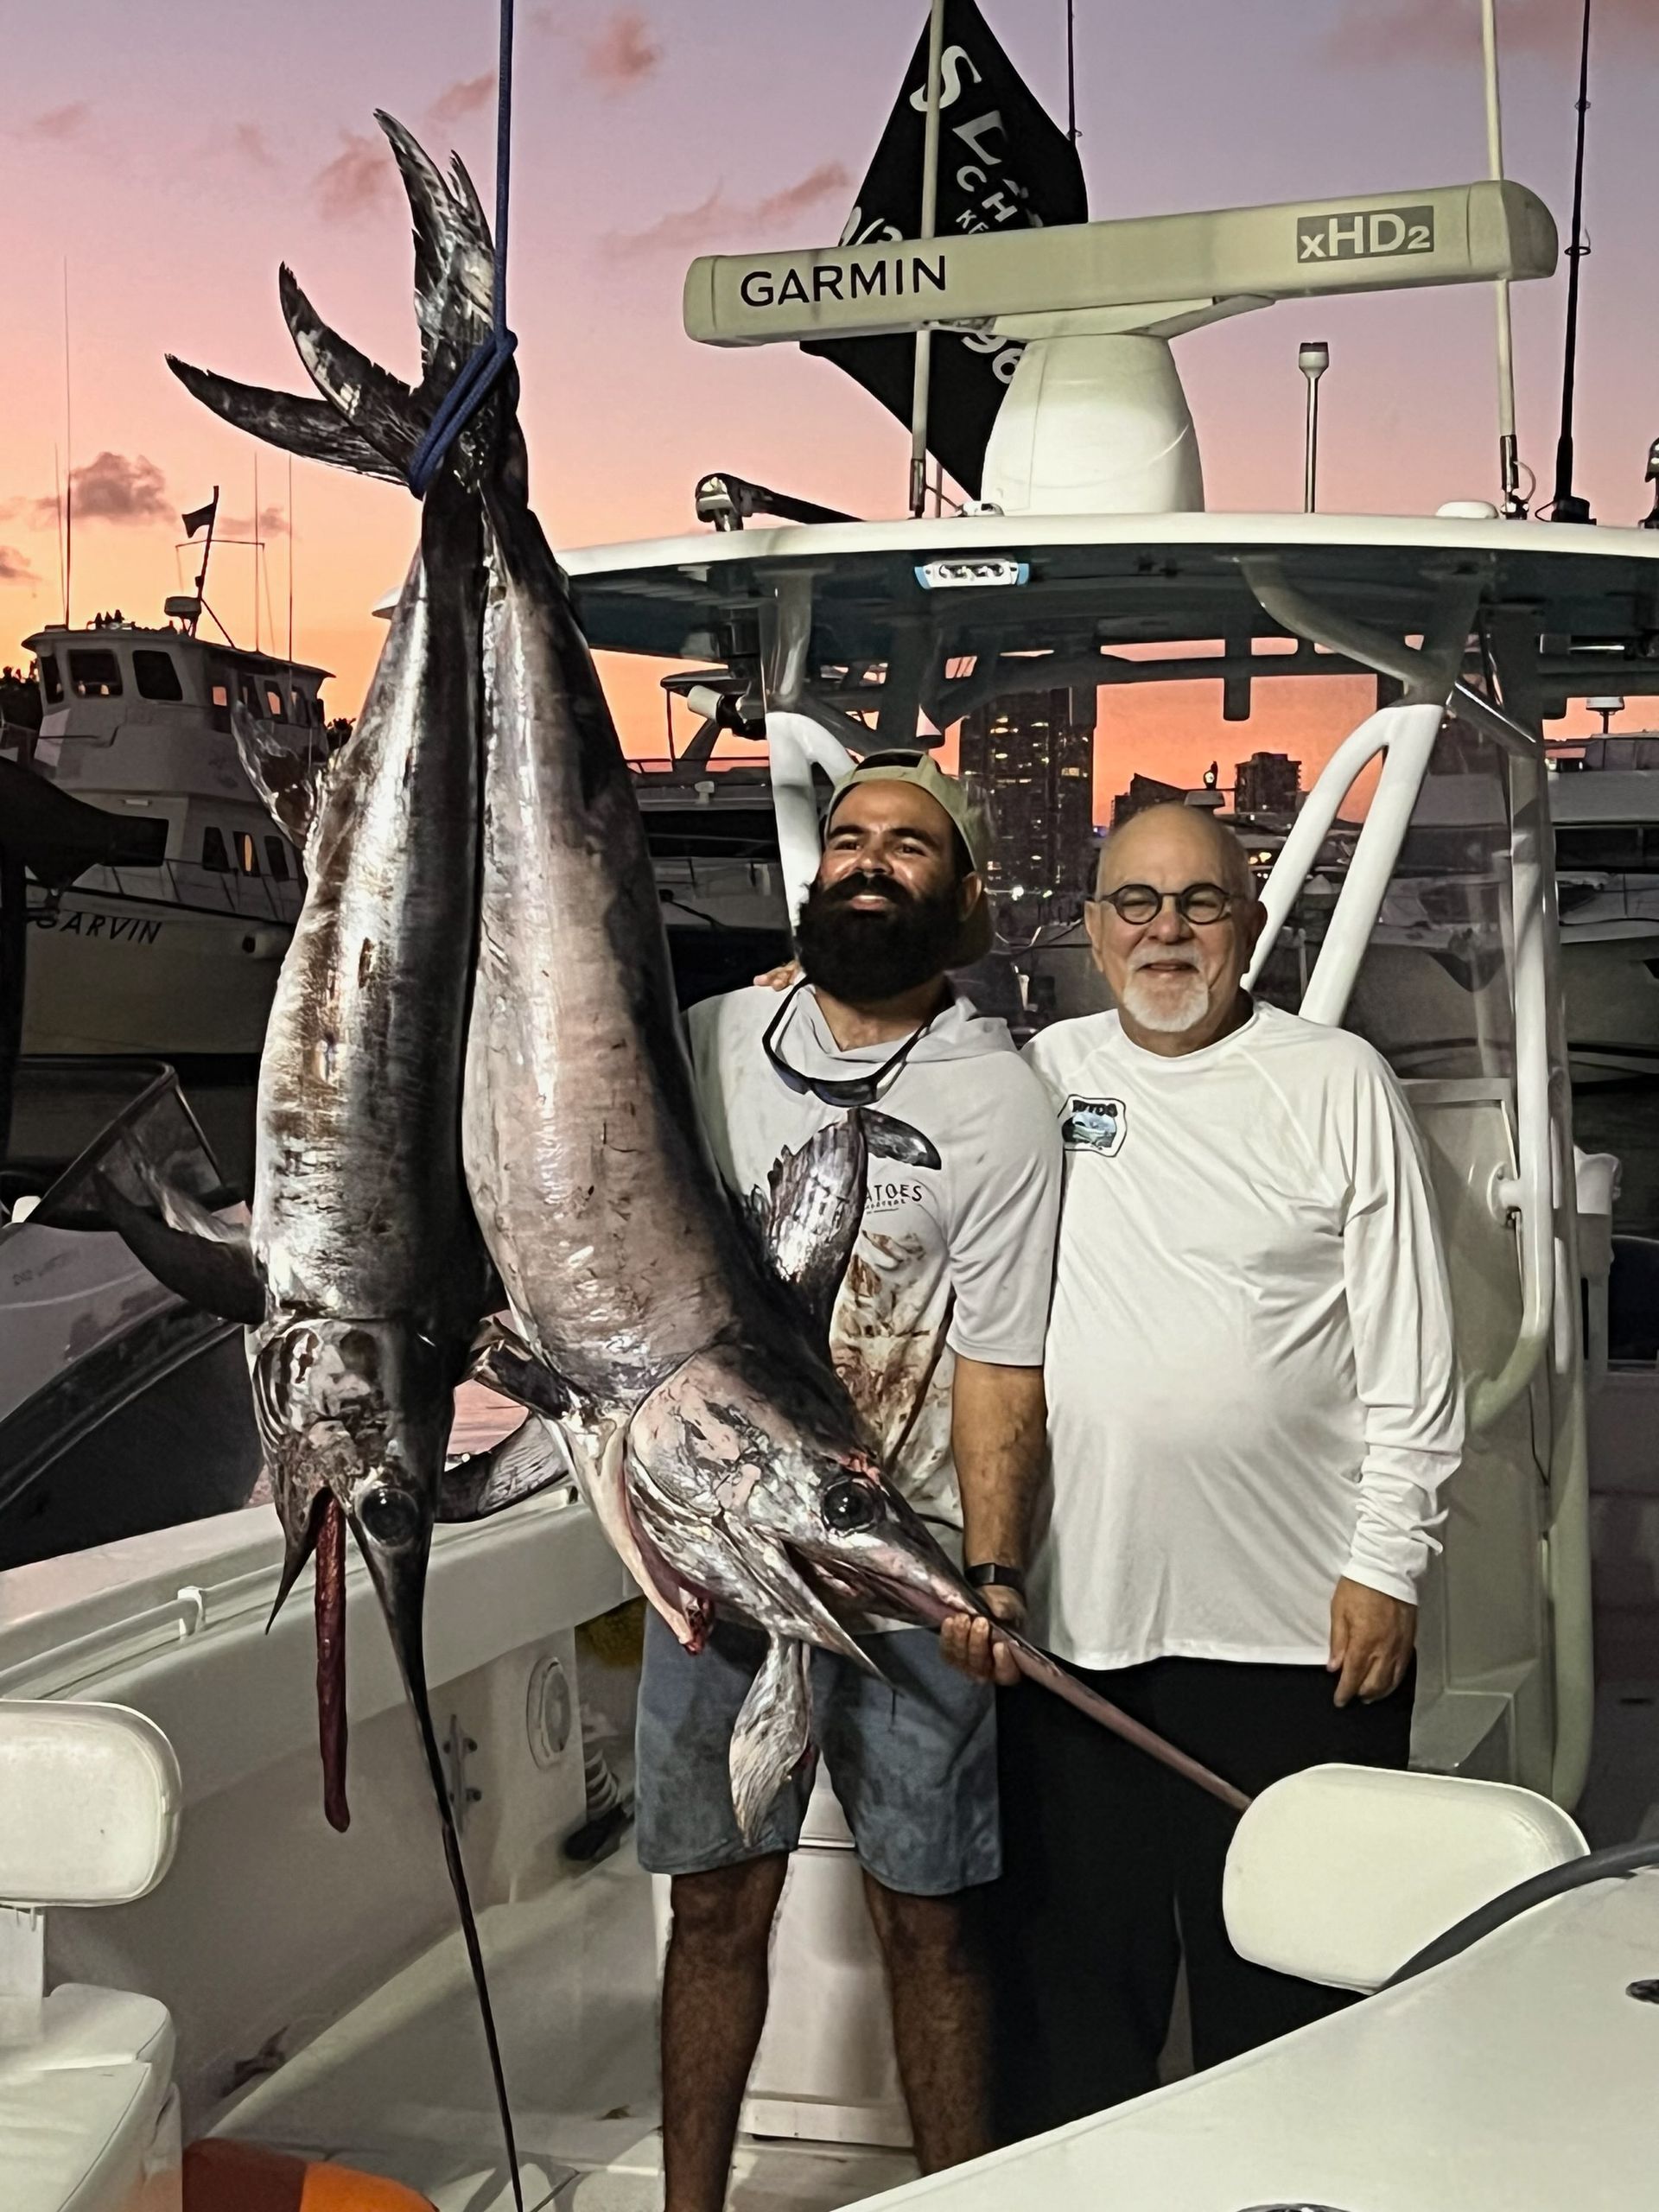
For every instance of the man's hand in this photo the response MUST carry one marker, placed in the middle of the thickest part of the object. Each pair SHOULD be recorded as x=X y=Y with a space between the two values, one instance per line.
x=780 y=979
x=970 y=1643
x=1371 y=1640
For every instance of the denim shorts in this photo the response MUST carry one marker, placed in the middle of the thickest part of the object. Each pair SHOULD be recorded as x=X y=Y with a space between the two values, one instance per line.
x=913 y=1760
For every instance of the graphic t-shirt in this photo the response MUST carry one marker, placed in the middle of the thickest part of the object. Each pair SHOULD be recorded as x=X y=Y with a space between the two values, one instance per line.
x=952 y=1258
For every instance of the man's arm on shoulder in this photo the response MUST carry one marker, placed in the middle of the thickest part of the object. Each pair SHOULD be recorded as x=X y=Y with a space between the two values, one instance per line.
x=1405 y=1363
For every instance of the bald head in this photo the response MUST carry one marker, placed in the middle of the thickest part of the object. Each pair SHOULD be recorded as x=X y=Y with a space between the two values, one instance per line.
x=1175 y=836
x=1177 y=976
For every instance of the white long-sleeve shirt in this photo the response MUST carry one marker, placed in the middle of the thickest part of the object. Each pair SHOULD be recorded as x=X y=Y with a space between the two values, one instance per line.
x=1252 y=1388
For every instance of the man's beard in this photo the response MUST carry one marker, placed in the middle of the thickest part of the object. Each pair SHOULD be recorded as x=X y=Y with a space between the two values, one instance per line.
x=865 y=955
x=1167 y=1006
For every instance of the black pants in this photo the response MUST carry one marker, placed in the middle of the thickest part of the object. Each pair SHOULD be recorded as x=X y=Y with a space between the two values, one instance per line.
x=1112 y=1871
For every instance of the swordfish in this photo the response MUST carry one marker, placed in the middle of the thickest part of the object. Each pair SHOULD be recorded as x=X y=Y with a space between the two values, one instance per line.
x=712 y=1435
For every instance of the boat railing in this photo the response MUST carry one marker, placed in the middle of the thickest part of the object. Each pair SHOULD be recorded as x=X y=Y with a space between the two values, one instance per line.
x=193 y=888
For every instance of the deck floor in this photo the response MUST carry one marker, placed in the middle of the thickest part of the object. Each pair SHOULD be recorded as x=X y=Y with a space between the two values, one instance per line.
x=400 y=2086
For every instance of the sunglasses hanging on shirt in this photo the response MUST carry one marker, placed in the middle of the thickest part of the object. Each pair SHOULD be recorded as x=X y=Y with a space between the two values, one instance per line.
x=833 y=1090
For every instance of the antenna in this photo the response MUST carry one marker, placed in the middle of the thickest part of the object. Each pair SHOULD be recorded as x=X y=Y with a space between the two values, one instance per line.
x=257 y=548
x=1508 y=458
x=57 y=495
x=930 y=213
x=1567 y=506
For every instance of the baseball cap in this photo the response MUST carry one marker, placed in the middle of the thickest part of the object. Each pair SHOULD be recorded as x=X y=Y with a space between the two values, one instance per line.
x=922 y=770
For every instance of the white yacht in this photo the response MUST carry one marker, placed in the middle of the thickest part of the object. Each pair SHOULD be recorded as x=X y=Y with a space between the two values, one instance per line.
x=171 y=945
x=1606 y=806
x=206 y=1963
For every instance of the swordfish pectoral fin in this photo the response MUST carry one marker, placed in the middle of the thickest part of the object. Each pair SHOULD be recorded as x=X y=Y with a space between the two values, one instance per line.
x=218 y=1276
x=533 y=1458
x=772 y=1734
x=291 y=785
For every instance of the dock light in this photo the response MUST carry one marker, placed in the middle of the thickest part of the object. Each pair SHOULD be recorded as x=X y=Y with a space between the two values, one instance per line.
x=1651 y=521
x=954 y=574
x=1606 y=709
x=1314 y=360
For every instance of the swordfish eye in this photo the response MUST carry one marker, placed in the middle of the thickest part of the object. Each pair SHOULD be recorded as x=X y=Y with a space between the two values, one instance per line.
x=388 y=1516
x=850 y=1504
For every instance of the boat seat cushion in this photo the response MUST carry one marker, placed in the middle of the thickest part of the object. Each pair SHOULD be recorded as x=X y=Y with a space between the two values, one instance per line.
x=1343 y=1873
x=89 y=1803
x=86 y=2117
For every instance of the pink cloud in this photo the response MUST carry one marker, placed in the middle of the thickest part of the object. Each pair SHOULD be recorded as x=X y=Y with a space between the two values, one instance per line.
x=359 y=179
x=60 y=122
x=621 y=52
x=464 y=99
x=686 y=230
x=273 y=523
x=14 y=567
x=112 y=488
x=1442 y=30
x=249 y=140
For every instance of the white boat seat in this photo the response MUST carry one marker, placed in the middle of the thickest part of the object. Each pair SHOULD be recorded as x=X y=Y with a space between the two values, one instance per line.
x=89 y=1815
x=1343 y=1873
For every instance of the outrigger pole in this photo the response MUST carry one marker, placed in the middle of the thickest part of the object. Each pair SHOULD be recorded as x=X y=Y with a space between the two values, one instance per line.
x=1568 y=506
x=1508 y=458
x=929 y=215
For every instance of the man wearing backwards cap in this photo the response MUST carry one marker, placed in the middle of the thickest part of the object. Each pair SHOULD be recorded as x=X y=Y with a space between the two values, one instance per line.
x=939 y=1336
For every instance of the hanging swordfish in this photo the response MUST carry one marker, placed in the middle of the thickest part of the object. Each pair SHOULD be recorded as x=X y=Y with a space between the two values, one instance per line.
x=365 y=1276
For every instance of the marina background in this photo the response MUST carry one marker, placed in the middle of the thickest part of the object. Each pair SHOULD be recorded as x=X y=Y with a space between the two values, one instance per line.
x=169 y=168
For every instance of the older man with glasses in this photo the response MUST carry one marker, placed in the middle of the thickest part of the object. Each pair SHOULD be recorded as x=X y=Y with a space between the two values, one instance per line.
x=939 y=1335
x=1253 y=1403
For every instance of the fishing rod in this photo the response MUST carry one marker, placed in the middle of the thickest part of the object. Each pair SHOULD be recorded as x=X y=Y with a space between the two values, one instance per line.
x=1568 y=506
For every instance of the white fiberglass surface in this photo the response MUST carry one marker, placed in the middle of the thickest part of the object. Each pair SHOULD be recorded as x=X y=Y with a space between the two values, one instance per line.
x=400 y=2086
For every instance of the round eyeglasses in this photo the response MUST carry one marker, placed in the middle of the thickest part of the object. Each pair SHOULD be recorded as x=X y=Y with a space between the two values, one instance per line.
x=1138 y=904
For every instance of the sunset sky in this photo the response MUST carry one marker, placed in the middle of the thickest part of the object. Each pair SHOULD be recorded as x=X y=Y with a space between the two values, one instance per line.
x=172 y=155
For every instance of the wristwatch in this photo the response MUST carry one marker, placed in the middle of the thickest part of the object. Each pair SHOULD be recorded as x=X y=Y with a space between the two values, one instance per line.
x=993 y=1571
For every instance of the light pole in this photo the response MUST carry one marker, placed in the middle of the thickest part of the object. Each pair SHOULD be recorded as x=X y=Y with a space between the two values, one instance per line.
x=1312 y=360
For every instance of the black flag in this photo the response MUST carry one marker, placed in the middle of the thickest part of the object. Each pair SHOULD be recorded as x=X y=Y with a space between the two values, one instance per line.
x=200 y=517
x=1004 y=164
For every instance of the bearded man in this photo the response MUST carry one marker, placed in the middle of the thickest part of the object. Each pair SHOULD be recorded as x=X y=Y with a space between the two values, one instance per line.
x=939 y=1336
x=1253 y=1403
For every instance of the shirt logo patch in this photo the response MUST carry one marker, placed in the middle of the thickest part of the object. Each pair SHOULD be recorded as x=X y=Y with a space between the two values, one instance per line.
x=1093 y=1125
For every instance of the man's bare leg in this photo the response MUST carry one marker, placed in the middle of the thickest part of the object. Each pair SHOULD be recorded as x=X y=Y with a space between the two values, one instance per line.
x=940 y=2022
x=713 y=2009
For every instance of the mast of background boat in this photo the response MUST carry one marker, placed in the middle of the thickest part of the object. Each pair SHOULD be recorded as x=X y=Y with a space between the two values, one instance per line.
x=258 y=548
x=1509 y=454
x=1071 y=71
x=68 y=461
x=1567 y=506
x=201 y=576
x=930 y=211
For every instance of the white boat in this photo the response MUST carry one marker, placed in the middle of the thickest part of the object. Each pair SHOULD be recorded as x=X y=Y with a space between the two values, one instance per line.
x=220 y=1966
x=172 y=947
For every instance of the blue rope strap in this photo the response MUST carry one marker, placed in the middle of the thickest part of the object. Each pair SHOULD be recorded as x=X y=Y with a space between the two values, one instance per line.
x=488 y=365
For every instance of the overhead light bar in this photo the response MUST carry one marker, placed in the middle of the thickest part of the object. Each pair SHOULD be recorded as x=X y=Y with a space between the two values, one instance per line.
x=971 y=574
x=1152 y=265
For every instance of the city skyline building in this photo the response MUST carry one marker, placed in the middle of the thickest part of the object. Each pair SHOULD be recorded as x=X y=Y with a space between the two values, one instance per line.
x=1031 y=758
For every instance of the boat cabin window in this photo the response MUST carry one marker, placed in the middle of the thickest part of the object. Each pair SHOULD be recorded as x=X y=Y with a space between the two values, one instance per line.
x=1606 y=847
x=154 y=673
x=51 y=680
x=94 y=675
x=300 y=704
x=142 y=844
x=248 y=690
x=218 y=690
x=274 y=707
x=214 y=853
x=247 y=853
x=277 y=860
